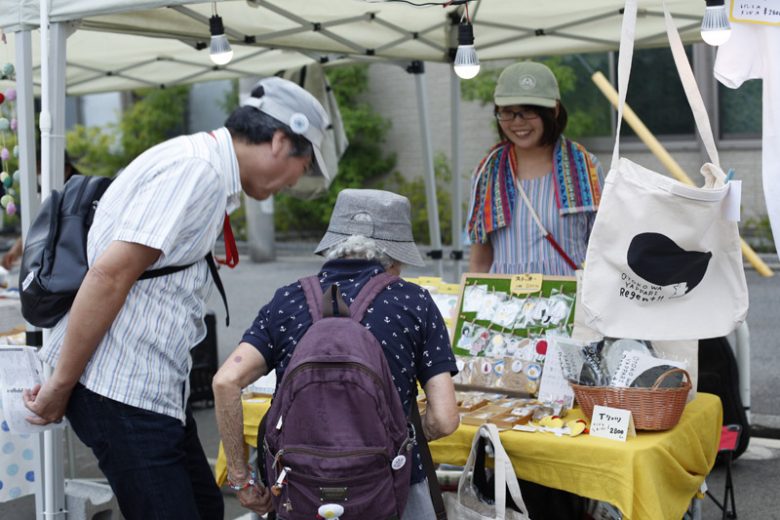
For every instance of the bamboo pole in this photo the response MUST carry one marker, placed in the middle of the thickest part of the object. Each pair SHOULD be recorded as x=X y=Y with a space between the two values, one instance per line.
x=630 y=117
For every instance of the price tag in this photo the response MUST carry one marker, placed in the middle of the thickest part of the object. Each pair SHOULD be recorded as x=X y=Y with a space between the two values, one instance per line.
x=764 y=12
x=733 y=201
x=612 y=423
x=525 y=283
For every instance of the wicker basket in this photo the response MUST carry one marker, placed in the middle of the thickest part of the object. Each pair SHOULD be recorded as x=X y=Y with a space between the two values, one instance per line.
x=652 y=408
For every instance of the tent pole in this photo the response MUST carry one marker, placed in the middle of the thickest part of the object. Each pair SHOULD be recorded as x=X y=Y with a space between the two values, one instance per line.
x=417 y=68
x=29 y=189
x=457 y=186
x=52 y=170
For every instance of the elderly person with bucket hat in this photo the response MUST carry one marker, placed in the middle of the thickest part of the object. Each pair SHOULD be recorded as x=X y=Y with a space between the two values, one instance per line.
x=369 y=233
x=121 y=356
x=535 y=193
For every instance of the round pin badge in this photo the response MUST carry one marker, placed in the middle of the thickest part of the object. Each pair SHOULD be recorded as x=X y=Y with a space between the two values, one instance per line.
x=330 y=510
x=533 y=371
x=299 y=123
x=398 y=462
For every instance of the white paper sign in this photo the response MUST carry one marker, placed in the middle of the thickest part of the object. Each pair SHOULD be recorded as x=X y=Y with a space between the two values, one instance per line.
x=612 y=423
x=20 y=369
x=553 y=386
x=765 y=12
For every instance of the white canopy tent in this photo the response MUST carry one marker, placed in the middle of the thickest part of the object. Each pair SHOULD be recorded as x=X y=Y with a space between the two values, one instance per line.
x=107 y=45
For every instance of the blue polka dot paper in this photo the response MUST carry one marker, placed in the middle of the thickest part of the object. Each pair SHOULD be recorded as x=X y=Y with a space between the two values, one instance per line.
x=18 y=462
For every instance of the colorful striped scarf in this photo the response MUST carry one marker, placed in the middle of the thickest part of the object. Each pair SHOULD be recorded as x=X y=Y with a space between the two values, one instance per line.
x=577 y=186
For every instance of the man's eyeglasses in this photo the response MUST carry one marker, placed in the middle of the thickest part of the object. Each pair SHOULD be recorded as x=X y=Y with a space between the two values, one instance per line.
x=506 y=115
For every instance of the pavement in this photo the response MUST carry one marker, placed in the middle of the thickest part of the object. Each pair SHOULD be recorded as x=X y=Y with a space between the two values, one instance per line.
x=755 y=474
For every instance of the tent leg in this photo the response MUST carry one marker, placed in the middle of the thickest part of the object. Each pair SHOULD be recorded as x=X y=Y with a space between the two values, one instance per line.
x=53 y=41
x=457 y=186
x=417 y=68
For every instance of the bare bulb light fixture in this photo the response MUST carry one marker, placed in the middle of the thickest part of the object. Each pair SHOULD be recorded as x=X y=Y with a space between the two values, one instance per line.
x=715 y=27
x=466 y=63
x=220 y=51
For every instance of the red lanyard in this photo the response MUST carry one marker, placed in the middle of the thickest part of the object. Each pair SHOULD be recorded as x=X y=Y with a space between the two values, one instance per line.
x=231 y=250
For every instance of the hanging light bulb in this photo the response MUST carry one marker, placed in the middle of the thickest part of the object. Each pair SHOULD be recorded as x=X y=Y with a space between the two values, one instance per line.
x=715 y=27
x=466 y=63
x=219 y=50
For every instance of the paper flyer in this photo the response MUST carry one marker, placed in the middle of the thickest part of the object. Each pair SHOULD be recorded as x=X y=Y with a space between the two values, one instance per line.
x=20 y=369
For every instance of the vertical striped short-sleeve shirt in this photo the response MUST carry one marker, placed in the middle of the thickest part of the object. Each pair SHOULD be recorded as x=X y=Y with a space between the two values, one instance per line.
x=520 y=246
x=173 y=197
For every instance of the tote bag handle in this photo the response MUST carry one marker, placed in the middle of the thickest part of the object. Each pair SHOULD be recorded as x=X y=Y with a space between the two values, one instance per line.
x=628 y=33
x=504 y=472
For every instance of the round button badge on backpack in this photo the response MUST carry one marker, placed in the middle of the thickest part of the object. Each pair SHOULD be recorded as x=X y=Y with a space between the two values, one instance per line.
x=330 y=511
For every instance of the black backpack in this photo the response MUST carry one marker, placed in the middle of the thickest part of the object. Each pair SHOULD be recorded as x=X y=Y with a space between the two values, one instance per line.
x=54 y=260
x=719 y=375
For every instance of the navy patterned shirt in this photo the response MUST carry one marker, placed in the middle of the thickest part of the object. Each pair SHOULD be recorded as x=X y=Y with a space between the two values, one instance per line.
x=403 y=318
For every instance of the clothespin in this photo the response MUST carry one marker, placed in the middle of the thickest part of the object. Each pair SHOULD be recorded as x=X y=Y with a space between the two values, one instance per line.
x=730 y=174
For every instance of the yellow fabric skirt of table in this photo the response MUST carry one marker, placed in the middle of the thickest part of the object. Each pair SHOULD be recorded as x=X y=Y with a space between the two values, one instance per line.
x=652 y=476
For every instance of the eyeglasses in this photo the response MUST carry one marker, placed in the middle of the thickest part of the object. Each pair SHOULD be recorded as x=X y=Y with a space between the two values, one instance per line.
x=506 y=115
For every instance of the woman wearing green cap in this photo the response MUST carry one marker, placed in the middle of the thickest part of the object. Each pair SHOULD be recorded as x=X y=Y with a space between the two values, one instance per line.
x=535 y=194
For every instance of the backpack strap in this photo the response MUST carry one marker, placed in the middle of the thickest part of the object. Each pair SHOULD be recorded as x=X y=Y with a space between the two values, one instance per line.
x=370 y=291
x=154 y=273
x=430 y=470
x=313 y=292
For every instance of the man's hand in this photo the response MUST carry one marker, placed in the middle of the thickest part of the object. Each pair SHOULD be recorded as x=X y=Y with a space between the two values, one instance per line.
x=48 y=402
x=256 y=498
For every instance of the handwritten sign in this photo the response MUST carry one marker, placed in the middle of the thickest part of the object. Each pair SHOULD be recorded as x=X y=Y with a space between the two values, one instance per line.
x=525 y=283
x=554 y=386
x=765 y=12
x=612 y=423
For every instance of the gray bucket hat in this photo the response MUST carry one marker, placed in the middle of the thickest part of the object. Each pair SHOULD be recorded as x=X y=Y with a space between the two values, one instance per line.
x=380 y=215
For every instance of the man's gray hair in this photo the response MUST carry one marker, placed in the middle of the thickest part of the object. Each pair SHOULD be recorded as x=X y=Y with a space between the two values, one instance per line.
x=361 y=247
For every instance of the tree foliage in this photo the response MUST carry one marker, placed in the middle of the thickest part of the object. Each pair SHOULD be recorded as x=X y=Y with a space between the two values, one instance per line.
x=156 y=115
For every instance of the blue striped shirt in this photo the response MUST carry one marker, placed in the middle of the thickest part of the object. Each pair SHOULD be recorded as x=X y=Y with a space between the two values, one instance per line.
x=173 y=197
x=520 y=247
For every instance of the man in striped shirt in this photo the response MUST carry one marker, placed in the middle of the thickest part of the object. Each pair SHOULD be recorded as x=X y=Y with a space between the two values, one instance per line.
x=121 y=356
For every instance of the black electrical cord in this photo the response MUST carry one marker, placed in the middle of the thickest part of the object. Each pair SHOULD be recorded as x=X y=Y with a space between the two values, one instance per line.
x=427 y=4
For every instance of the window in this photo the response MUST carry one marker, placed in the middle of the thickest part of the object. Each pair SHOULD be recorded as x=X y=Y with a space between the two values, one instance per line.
x=656 y=94
x=740 y=110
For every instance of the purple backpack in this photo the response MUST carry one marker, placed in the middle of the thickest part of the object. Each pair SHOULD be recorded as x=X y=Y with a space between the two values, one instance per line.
x=337 y=439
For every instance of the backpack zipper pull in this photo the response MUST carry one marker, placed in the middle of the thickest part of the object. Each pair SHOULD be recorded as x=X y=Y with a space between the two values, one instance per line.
x=276 y=489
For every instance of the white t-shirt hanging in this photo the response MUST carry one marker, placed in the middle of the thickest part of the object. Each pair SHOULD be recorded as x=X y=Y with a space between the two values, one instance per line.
x=753 y=52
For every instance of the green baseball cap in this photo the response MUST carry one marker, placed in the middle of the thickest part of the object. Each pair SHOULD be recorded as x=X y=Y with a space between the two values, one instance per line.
x=527 y=83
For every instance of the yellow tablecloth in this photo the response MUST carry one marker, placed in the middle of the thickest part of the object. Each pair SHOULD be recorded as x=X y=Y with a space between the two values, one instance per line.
x=652 y=476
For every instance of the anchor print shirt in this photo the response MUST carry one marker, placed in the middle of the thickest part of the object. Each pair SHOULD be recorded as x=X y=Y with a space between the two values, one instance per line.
x=403 y=318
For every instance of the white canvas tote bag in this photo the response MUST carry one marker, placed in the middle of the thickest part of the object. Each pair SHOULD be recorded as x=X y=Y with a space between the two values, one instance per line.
x=663 y=261
x=467 y=505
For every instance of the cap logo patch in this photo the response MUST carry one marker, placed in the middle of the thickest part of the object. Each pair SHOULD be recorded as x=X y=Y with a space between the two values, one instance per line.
x=299 y=123
x=527 y=82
